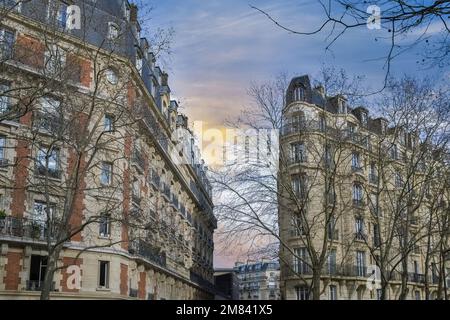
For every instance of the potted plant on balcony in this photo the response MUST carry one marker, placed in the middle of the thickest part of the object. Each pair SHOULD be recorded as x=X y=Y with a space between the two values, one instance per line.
x=35 y=231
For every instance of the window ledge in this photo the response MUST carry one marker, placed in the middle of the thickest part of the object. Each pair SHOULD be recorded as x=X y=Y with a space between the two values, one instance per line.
x=99 y=289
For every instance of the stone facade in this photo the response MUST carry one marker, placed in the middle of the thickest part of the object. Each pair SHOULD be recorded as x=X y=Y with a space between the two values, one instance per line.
x=259 y=280
x=342 y=185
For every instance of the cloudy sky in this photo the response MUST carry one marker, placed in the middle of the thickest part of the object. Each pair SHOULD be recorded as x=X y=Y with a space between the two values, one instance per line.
x=220 y=47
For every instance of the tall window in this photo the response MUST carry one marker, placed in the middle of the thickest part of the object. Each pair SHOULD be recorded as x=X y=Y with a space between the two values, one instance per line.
x=298 y=121
x=299 y=186
x=364 y=119
x=331 y=262
x=113 y=31
x=106 y=173
x=356 y=163
x=351 y=127
x=373 y=178
x=6 y=43
x=394 y=152
x=360 y=263
x=4 y=98
x=300 y=93
x=398 y=180
x=38 y=267
x=322 y=123
x=357 y=194
x=333 y=293
x=359 y=228
x=105 y=225
x=376 y=236
x=301 y=261
x=2 y=149
x=297 y=227
x=48 y=162
x=298 y=152
x=108 y=123
x=302 y=293
x=103 y=279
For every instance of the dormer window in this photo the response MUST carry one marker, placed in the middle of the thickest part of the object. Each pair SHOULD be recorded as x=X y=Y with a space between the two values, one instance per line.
x=300 y=94
x=342 y=104
x=113 y=31
x=364 y=119
x=111 y=76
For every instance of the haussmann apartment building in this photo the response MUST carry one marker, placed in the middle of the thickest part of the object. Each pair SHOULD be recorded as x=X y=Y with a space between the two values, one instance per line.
x=345 y=187
x=96 y=162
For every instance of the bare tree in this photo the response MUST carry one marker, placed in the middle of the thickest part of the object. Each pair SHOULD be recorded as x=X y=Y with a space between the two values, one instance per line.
x=77 y=122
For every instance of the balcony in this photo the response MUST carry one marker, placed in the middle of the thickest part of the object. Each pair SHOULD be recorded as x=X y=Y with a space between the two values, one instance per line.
x=138 y=159
x=355 y=271
x=35 y=285
x=24 y=228
x=416 y=277
x=42 y=171
x=148 y=251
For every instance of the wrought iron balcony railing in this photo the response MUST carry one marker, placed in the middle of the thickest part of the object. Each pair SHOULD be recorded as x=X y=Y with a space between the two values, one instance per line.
x=148 y=251
x=24 y=228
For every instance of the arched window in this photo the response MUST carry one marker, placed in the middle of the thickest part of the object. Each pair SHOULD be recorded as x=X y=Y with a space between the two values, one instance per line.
x=299 y=93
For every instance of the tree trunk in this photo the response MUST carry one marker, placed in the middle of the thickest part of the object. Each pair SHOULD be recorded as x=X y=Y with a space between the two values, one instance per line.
x=47 y=284
x=404 y=288
x=316 y=285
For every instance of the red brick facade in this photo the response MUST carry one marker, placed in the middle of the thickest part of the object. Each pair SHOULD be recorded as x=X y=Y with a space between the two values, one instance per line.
x=123 y=279
x=12 y=269
x=30 y=51
x=142 y=285
x=20 y=173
